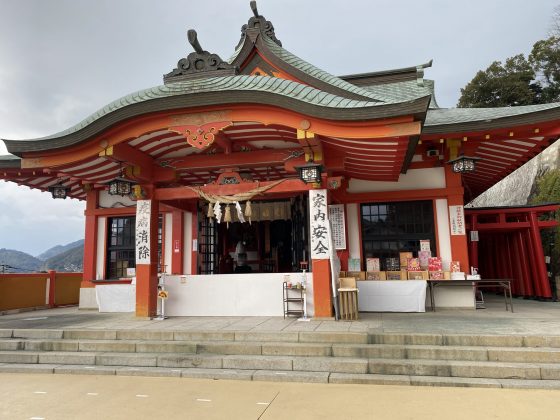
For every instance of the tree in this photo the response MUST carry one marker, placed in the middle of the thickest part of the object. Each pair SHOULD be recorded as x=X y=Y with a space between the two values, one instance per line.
x=545 y=61
x=547 y=190
x=508 y=84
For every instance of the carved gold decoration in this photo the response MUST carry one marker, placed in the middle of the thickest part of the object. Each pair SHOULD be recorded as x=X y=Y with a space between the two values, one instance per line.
x=200 y=136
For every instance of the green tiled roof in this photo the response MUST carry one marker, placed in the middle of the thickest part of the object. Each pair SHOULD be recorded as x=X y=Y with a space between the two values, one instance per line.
x=322 y=75
x=273 y=85
x=401 y=91
x=444 y=116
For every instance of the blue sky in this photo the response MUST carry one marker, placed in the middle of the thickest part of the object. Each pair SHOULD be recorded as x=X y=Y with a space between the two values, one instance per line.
x=61 y=60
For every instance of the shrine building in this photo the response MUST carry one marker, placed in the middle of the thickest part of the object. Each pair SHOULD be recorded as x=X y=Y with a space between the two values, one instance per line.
x=235 y=174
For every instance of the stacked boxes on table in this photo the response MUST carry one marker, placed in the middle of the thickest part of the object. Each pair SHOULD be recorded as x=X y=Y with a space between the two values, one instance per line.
x=424 y=266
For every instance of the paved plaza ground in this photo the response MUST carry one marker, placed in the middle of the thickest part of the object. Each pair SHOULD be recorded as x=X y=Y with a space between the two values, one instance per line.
x=72 y=397
x=530 y=318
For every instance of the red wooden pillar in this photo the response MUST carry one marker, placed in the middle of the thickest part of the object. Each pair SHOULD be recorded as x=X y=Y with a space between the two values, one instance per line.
x=518 y=265
x=539 y=257
x=177 y=242
x=146 y=274
x=532 y=263
x=459 y=248
x=90 y=242
x=524 y=262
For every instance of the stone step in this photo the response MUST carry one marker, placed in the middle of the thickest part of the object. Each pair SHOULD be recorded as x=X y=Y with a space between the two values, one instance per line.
x=466 y=369
x=324 y=337
x=280 y=376
x=368 y=351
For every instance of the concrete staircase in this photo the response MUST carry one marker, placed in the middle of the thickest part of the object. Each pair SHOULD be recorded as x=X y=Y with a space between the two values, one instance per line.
x=495 y=361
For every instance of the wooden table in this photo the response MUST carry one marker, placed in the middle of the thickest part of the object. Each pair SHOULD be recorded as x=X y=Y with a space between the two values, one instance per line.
x=505 y=284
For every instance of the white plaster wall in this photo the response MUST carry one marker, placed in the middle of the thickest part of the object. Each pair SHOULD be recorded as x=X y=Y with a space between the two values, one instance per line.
x=109 y=201
x=444 y=240
x=88 y=299
x=100 y=246
x=414 y=179
x=187 y=242
x=353 y=227
x=228 y=294
x=168 y=245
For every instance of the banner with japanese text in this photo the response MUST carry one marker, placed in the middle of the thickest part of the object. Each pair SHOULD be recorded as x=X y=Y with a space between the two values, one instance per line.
x=338 y=225
x=457 y=220
x=143 y=213
x=318 y=222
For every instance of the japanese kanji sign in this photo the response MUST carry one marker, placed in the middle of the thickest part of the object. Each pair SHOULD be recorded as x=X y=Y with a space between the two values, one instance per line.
x=143 y=213
x=457 y=220
x=318 y=222
x=336 y=217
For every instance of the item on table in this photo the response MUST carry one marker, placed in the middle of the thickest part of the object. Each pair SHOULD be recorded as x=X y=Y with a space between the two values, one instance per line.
x=354 y=264
x=358 y=275
x=372 y=264
x=458 y=275
x=418 y=275
x=434 y=264
x=413 y=264
x=425 y=245
x=436 y=275
x=447 y=275
x=404 y=256
x=455 y=266
x=393 y=275
x=376 y=275
x=392 y=264
x=423 y=257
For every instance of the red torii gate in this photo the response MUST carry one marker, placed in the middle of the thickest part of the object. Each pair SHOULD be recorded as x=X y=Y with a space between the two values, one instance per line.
x=510 y=245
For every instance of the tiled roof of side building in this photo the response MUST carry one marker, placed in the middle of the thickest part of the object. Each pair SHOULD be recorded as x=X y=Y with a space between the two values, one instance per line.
x=234 y=90
x=463 y=119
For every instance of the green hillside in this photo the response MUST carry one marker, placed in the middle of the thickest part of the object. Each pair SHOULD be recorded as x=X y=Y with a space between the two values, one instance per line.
x=70 y=260
x=20 y=261
x=59 y=249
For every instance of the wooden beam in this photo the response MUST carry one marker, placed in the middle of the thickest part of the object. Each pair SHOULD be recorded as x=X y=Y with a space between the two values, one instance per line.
x=239 y=159
x=124 y=153
x=182 y=193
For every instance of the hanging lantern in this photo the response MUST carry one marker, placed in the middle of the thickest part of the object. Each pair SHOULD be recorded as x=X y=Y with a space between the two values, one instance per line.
x=120 y=185
x=310 y=172
x=463 y=164
x=59 y=190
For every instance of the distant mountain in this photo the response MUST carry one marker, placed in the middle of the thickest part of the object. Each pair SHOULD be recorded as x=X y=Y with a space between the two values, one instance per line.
x=59 y=249
x=19 y=261
x=69 y=260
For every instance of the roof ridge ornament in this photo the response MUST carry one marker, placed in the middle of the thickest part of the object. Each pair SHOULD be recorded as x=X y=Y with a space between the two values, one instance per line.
x=420 y=72
x=199 y=64
x=258 y=25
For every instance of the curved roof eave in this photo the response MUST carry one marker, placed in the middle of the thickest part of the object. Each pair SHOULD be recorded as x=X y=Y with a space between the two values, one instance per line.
x=447 y=120
x=301 y=69
x=230 y=90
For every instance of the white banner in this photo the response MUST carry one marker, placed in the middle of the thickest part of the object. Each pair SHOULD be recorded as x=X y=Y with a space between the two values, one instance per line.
x=318 y=222
x=143 y=213
x=338 y=225
x=457 y=220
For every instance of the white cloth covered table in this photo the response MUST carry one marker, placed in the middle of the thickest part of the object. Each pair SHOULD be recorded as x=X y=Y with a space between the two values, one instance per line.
x=116 y=297
x=392 y=296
